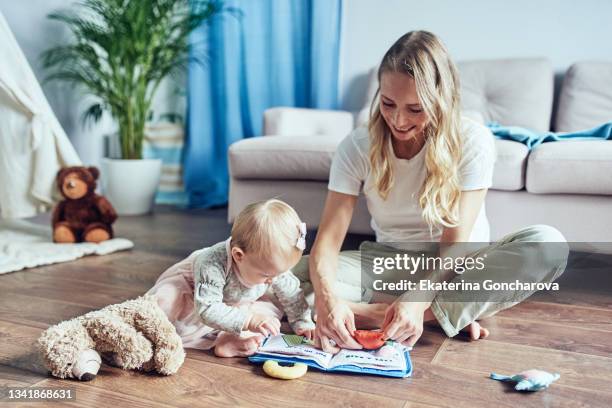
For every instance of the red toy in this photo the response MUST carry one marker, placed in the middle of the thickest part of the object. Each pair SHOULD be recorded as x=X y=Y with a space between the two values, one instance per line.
x=369 y=339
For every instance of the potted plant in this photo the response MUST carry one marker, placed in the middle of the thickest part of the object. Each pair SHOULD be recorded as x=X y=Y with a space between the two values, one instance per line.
x=120 y=53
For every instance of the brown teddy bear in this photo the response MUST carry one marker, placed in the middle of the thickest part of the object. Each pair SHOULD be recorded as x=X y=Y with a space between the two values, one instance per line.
x=83 y=215
x=135 y=334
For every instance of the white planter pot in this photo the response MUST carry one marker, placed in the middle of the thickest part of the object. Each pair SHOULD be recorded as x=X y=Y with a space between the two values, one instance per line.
x=130 y=185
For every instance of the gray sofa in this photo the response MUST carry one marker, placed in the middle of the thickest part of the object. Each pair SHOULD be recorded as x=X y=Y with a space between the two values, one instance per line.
x=564 y=184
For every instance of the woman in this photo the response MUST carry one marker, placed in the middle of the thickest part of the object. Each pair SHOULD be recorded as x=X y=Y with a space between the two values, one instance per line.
x=425 y=172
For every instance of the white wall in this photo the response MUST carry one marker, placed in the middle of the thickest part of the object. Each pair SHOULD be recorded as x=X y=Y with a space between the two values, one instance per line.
x=35 y=33
x=564 y=31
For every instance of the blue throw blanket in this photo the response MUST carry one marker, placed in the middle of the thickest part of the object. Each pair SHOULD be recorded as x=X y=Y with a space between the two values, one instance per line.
x=532 y=138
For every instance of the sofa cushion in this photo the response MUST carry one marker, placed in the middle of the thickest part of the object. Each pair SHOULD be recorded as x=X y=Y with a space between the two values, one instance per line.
x=283 y=157
x=573 y=166
x=364 y=114
x=288 y=121
x=509 y=173
x=516 y=91
x=585 y=100
x=509 y=91
x=309 y=158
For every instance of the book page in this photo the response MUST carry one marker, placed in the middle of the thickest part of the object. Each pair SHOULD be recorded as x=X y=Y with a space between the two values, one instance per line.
x=389 y=357
x=287 y=345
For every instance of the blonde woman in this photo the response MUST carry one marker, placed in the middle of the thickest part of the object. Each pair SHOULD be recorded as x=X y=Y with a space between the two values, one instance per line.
x=424 y=170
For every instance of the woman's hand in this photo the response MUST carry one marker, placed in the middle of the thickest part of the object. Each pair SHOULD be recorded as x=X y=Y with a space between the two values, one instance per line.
x=404 y=322
x=335 y=321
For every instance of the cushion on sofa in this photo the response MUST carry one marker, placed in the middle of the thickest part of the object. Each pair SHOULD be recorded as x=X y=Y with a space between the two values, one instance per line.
x=516 y=91
x=585 y=100
x=509 y=91
x=289 y=121
x=283 y=157
x=309 y=158
x=364 y=114
x=573 y=166
x=509 y=173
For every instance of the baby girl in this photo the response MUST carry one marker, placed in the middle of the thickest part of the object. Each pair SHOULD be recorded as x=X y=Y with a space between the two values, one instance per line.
x=230 y=295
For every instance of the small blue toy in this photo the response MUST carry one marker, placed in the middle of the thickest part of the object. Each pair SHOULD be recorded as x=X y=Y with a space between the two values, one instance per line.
x=530 y=380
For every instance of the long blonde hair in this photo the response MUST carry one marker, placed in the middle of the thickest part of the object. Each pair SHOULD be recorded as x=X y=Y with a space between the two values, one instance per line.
x=422 y=55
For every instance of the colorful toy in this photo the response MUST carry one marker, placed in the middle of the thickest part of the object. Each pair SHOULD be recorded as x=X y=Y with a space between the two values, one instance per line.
x=530 y=380
x=295 y=370
x=369 y=339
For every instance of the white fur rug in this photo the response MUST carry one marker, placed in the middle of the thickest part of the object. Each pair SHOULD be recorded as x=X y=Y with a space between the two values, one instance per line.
x=26 y=245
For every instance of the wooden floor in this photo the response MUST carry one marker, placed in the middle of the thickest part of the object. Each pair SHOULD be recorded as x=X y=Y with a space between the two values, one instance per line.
x=570 y=334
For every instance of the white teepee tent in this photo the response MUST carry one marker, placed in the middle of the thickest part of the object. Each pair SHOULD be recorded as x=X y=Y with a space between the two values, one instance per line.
x=33 y=145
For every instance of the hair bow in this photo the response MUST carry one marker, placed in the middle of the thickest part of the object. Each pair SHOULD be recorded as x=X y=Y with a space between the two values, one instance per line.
x=301 y=241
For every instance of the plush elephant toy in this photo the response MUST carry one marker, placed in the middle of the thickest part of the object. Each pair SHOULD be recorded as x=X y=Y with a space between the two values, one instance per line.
x=135 y=334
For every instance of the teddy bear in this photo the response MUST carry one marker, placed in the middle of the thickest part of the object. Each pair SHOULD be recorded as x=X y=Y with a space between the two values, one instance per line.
x=82 y=215
x=135 y=334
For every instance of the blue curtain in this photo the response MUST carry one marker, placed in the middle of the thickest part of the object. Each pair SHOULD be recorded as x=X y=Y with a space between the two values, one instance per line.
x=270 y=53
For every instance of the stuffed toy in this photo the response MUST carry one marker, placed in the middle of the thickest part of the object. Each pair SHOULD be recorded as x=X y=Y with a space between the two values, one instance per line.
x=82 y=215
x=529 y=380
x=135 y=334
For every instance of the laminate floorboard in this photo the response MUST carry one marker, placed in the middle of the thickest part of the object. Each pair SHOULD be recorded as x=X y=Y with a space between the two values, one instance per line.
x=569 y=333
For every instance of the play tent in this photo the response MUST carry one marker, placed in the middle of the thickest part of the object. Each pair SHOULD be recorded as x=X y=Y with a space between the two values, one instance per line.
x=33 y=145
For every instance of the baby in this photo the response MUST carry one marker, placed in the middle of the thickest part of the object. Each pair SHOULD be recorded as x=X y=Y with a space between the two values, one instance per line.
x=230 y=295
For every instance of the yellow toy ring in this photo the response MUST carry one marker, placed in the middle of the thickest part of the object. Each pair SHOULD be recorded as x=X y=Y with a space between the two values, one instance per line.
x=273 y=369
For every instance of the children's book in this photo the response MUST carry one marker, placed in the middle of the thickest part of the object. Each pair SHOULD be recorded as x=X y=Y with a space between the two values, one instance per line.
x=391 y=360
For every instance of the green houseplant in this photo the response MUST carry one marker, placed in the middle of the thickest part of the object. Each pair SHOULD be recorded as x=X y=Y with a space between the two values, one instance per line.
x=120 y=52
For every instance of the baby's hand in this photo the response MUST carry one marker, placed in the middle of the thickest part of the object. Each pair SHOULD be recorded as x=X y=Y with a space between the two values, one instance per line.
x=308 y=333
x=264 y=324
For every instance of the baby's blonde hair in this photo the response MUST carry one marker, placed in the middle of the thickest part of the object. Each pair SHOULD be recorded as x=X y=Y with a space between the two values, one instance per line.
x=267 y=227
x=421 y=55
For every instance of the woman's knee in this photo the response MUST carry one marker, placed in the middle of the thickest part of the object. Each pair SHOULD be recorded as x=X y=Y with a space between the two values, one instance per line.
x=542 y=233
x=543 y=248
x=551 y=245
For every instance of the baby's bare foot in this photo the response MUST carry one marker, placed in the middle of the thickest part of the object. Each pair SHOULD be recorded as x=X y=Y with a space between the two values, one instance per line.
x=476 y=331
x=229 y=345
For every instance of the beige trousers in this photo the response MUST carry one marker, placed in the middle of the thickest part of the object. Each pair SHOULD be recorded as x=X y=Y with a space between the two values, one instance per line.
x=536 y=253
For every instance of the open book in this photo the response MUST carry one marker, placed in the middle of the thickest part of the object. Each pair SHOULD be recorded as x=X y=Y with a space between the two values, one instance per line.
x=391 y=360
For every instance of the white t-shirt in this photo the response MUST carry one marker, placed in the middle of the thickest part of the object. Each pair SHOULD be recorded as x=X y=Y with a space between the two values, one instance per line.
x=399 y=218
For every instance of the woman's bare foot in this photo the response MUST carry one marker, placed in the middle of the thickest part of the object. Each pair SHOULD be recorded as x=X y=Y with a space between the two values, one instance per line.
x=230 y=345
x=476 y=331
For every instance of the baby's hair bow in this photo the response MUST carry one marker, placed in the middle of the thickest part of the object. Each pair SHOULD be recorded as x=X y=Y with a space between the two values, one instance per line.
x=301 y=241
